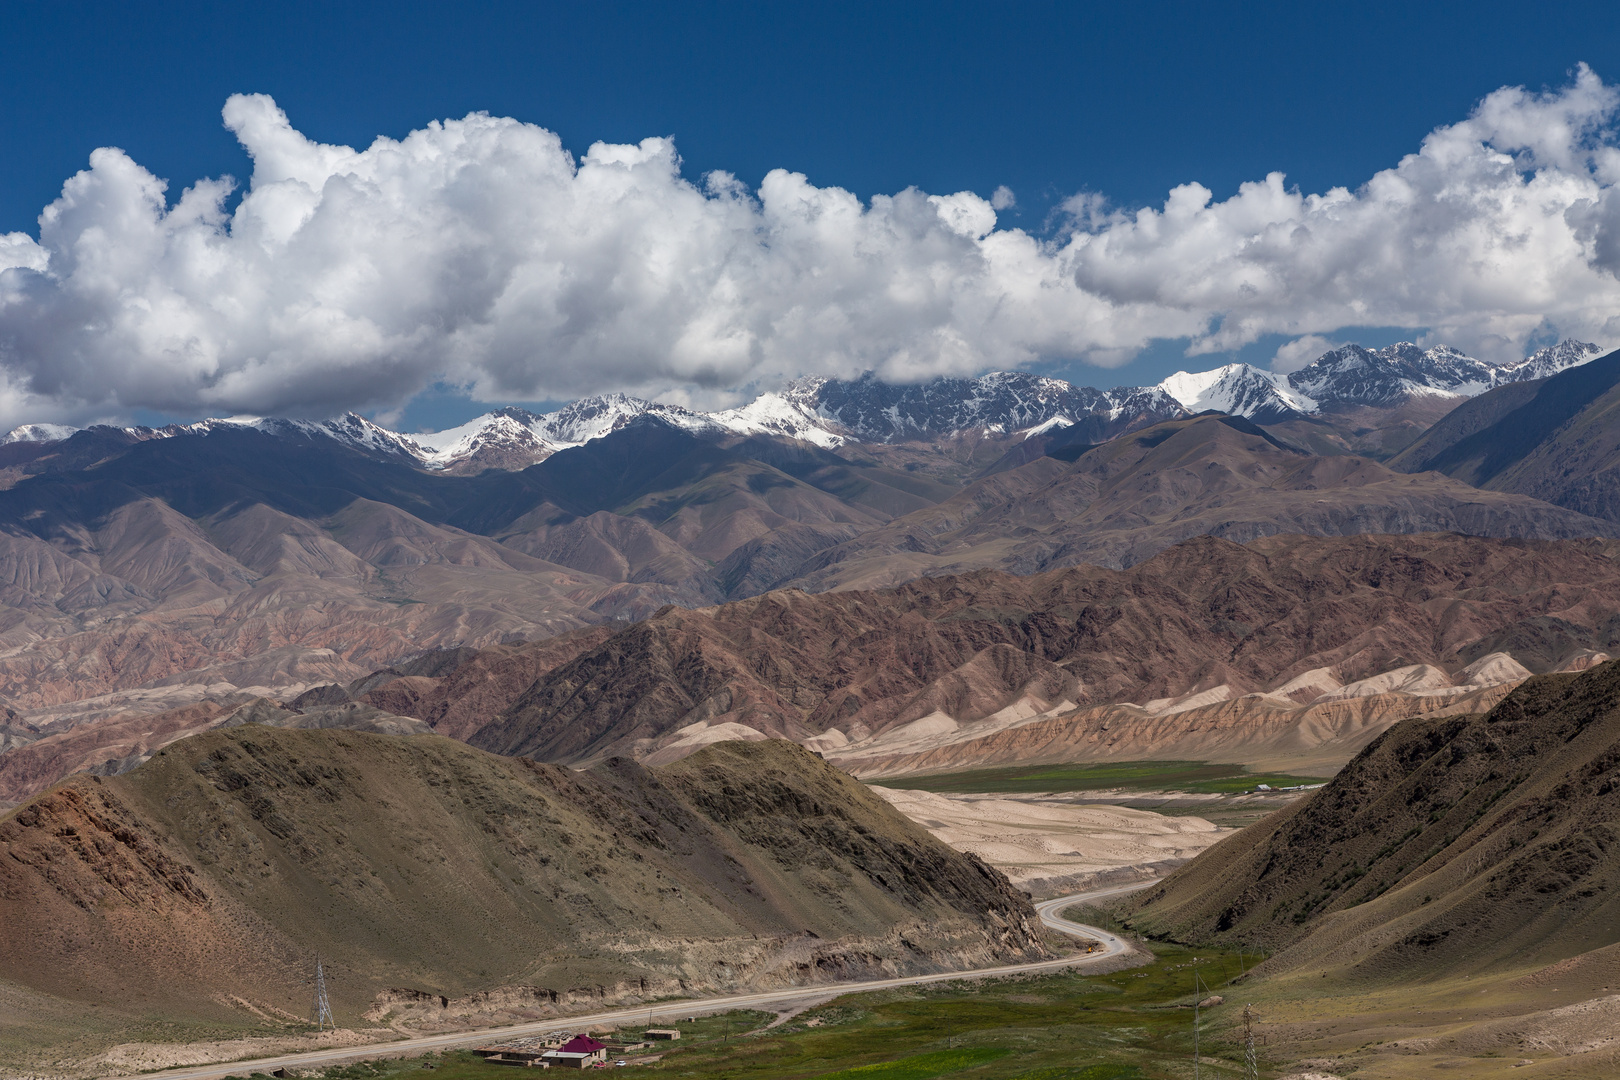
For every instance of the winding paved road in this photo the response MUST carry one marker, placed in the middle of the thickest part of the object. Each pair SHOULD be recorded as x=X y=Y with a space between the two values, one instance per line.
x=1048 y=910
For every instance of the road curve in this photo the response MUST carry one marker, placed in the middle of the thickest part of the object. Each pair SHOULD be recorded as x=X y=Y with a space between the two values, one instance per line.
x=1047 y=909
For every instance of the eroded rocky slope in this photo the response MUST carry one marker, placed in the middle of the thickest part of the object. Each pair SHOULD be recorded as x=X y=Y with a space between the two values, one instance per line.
x=1288 y=652
x=1303 y=619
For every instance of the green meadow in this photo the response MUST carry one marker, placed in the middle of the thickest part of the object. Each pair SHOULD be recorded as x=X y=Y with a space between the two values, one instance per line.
x=1197 y=777
x=1131 y=1025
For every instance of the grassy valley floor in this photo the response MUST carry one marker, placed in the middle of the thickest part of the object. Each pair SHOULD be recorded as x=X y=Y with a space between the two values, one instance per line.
x=1224 y=795
x=1556 y=1023
x=1195 y=777
x=1130 y=1025
x=1135 y=1024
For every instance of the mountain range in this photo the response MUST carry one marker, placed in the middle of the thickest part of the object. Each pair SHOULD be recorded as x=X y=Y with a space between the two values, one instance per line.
x=153 y=581
x=1290 y=651
x=273 y=689
x=829 y=413
x=1553 y=439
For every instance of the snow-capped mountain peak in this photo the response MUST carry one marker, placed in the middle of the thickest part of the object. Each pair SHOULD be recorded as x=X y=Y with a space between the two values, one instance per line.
x=37 y=433
x=349 y=429
x=514 y=438
x=1352 y=375
x=791 y=414
x=1001 y=401
x=1550 y=361
x=830 y=412
x=1241 y=390
x=593 y=417
x=503 y=439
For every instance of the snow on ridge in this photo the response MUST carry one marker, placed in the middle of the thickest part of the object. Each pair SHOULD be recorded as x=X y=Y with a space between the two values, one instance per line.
x=591 y=418
x=350 y=429
x=38 y=433
x=829 y=413
x=1058 y=421
x=1352 y=374
x=536 y=437
x=507 y=432
x=779 y=414
x=1238 y=389
x=998 y=401
x=446 y=441
x=1551 y=360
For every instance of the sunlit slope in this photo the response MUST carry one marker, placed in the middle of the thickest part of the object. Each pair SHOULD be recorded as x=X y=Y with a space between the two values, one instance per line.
x=1448 y=847
x=216 y=873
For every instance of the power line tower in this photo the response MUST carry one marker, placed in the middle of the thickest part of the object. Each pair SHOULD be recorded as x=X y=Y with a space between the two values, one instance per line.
x=1197 y=1000
x=1251 y=1064
x=323 y=1008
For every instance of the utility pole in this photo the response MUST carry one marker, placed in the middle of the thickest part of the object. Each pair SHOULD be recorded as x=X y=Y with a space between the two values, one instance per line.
x=323 y=1008
x=1251 y=1064
x=1196 y=999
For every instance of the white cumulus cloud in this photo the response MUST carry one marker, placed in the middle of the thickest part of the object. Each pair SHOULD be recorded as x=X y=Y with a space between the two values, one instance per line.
x=481 y=253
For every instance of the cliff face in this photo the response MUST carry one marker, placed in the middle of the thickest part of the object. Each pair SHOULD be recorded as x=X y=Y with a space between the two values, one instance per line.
x=219 y=870
x=1448 y=846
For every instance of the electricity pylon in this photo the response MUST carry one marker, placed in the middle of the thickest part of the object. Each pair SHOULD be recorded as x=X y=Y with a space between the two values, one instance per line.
x=323 y=1008
x=1251 y=1064
x=1197 y=990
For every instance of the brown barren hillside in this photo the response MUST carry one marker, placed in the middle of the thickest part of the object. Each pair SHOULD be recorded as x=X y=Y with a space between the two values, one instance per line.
x=1205 y=617
x=1128 y=499
x=169 y=573
x=1338 y=636
x=452 y=690
x=205 y=883
x=1467 y=842
x=1450 y=898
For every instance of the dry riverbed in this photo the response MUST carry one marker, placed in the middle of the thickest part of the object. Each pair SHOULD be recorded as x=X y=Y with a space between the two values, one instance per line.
x=1050 y=844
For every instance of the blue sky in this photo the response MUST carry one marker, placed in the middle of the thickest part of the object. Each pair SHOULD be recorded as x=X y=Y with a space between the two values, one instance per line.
x=1048 y=100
